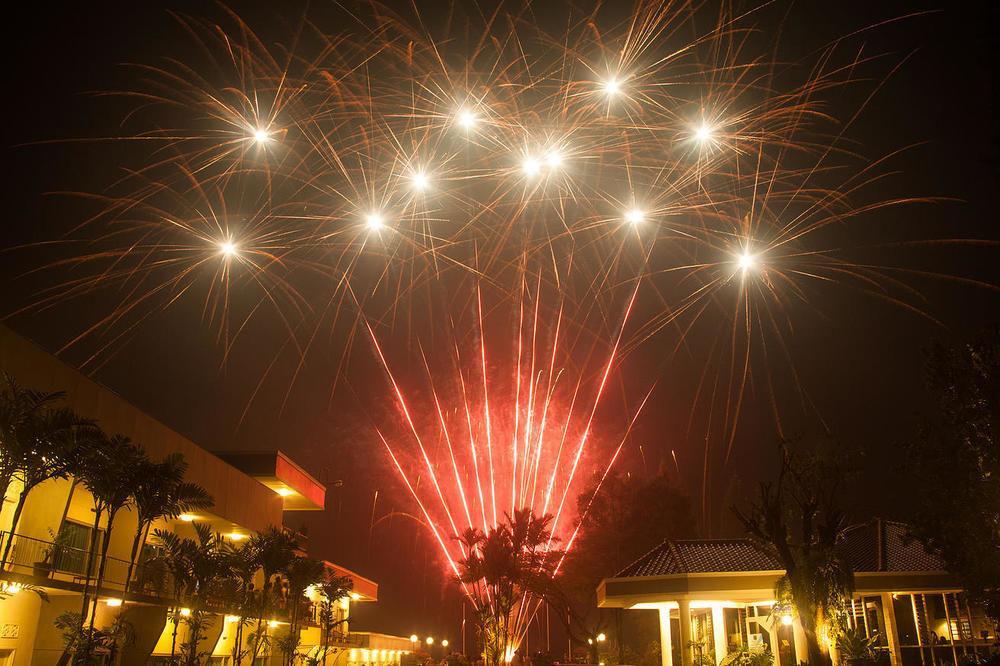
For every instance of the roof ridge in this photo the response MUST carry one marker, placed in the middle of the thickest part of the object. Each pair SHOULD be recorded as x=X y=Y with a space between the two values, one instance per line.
x=727 y=540
x=643 y=557
x=682 y=563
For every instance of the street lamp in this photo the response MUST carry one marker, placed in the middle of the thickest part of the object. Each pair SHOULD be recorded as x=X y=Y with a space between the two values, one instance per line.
x=444 y=643
x=430 y=640
x=601 y=637
x=413 y=638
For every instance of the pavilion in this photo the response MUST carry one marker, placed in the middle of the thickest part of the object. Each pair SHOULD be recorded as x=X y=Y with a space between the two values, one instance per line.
x=716 y=596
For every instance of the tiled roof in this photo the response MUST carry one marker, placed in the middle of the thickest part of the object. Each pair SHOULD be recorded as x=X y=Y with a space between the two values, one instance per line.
x=881 y=545
x=700 y=556
x=878 y=545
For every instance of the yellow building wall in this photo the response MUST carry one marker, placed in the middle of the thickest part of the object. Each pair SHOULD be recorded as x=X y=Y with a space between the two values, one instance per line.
x=239 y=498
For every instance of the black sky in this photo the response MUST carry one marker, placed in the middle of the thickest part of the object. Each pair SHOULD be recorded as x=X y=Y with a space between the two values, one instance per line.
x=860 y=359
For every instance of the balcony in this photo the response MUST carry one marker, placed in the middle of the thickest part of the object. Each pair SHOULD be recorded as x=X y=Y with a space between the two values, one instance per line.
x=50 y=564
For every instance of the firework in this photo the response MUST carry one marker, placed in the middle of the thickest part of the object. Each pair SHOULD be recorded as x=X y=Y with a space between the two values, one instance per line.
x=505 y=435
x=351 y=174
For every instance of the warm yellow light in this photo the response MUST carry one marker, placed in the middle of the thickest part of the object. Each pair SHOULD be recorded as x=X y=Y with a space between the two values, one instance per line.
x=590 y=641
x=272 y=624
x=601 y=637
x=444 y=643
x=786 y=619
x=232 y=618
x=746 y=261
x=355 y=596
x=10 y=588
x=413 y=638
x=113 y=602
x=185 y=612
x=703 y=133
x=236 y=536
x=261 y=136
x=430 y=640
x=554 y=159
x=612 y=87
x=187 y=517
x=227 y=248
x=420 y=181
x=284 y=492
x=374 y=221
x=634 y=216
x=466 y=119
x=531 y=167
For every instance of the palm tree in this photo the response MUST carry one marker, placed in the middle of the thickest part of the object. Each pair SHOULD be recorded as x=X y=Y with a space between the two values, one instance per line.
x=40 y=442
x=17 y=406
x=160 y=492
x=502 y=568
x=300 y=574
x=244 y=564
x=109 y=472
x=331 y=591
x=275 y=550
x=198 y=566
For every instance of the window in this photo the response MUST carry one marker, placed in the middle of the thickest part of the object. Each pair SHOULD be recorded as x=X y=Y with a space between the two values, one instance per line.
x=955 y=636
x=74 y=544
x=6 y=657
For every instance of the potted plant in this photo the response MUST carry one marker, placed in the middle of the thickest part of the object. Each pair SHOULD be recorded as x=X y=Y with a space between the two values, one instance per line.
x=51 y=555
x=856 y=648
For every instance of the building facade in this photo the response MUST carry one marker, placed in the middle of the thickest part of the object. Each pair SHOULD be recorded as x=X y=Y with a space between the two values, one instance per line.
x=715 y=597
x=50 y=542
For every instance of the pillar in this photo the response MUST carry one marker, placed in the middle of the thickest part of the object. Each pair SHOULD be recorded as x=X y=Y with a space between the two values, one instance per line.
x=687 y=657
x=799 y=638
x=719 y=634
x=666 y=647
x=891 y=629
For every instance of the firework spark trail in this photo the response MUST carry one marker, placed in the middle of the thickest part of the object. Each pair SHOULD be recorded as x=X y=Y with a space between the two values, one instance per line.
x=539 y=416
x=383 y=163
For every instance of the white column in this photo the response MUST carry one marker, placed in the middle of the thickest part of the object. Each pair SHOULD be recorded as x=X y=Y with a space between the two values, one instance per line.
x=799 y=638
x=719 y=634
x=666 y=647
x=891 y=629
x=687 y=659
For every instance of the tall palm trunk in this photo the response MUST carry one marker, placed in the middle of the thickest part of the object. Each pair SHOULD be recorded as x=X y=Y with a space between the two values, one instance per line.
x=173 y=637
x=101 y=568
x=141 y=534
x=5 y=481
x=15 y=519
x=85 y=606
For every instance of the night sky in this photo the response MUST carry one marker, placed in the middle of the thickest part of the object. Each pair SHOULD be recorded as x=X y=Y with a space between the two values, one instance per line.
x=859 y=359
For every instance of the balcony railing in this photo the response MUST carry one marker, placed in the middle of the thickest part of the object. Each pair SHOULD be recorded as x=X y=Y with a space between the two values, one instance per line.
x=56 y=564
x=62 y=563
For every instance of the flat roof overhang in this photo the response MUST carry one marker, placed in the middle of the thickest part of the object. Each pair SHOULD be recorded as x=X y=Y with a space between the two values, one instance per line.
x=298 y=490
x=750 y=586
x=729 y=586
x=364 y=589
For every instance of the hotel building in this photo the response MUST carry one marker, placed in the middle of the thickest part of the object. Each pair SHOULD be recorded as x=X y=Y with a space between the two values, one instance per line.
x=251 y=492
